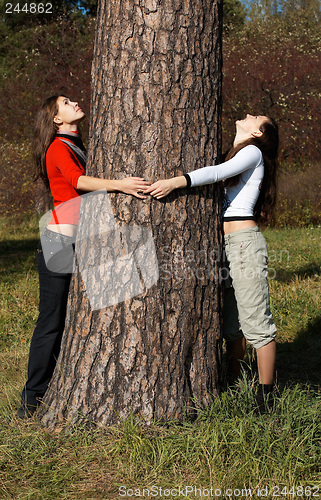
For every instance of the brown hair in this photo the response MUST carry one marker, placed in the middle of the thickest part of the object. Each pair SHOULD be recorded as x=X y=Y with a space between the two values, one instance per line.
x=268 y=144
x=44 y=133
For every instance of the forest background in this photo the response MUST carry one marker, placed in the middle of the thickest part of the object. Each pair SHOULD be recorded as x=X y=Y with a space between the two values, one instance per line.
x=271 y=66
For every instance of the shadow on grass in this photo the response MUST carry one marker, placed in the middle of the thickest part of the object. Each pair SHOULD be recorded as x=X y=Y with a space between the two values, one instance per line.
x=18 y=246
x=17 y=256
x=299 y=361
x=308 y=271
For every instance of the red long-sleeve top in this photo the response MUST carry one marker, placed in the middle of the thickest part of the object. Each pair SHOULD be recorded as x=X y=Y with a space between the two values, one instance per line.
x=64 y=170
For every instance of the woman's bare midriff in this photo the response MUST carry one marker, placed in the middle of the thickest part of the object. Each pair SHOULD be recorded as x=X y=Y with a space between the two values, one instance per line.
x=237 y=225
x=65 y=229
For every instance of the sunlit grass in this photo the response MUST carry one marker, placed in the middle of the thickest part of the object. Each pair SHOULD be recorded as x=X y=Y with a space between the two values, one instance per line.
x=296 y=301
x=228 y=446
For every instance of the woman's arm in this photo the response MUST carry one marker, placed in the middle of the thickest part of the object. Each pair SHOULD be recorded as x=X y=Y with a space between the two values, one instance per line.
x=160 y=189
x=130 y=185
x=63 y=159
x=246 y=158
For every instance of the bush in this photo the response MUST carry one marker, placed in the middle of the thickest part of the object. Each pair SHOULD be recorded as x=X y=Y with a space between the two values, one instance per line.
x=38 y=62
x=273 y=69
x=299 y=198
x=17 y=191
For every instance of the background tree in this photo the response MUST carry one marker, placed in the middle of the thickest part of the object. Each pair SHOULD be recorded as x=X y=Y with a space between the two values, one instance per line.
x=287 y=10
x=156 y=104
x=234 y=14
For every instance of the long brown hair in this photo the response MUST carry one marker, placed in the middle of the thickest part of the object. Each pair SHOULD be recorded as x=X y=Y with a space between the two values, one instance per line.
x=268 y=144
x=44 y=133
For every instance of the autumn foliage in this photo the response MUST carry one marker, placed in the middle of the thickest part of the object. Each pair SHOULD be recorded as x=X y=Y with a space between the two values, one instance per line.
x=270 y=66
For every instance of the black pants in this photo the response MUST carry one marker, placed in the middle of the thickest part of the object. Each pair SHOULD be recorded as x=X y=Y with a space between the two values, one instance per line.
x=46 y=339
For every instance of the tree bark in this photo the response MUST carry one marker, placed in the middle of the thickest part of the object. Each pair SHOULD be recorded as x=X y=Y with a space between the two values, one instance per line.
x=156 y=109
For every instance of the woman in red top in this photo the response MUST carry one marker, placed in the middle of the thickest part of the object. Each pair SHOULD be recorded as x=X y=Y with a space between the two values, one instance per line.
x=60 y=159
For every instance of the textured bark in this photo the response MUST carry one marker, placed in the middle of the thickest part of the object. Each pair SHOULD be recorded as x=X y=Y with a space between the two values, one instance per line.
x=156 y=105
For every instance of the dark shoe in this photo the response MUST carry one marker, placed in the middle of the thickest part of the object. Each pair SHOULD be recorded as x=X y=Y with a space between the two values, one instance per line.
x=263 y=399
x=26 y=411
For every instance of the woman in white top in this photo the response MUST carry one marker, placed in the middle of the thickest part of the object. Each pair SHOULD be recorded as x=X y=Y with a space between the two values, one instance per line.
x=249 y=175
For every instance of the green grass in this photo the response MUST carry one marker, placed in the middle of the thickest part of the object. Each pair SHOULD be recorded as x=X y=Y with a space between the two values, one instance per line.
x=296 y=302
x=228 y=446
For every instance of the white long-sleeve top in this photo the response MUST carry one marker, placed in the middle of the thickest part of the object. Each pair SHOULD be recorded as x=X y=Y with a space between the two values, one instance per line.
x=241 y=198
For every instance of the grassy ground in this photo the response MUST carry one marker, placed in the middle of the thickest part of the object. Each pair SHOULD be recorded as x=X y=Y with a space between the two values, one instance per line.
x=228 y=449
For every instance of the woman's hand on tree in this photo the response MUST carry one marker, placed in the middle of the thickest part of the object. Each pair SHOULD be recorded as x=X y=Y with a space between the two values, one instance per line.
x=160 y=189
x=136 y=186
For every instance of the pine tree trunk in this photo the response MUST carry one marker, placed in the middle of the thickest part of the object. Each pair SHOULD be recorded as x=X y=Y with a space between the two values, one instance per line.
x=156 y=106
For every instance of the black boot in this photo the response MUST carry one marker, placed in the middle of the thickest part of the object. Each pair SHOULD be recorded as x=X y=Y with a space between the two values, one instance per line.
x=263 y=398
x=26 y=411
